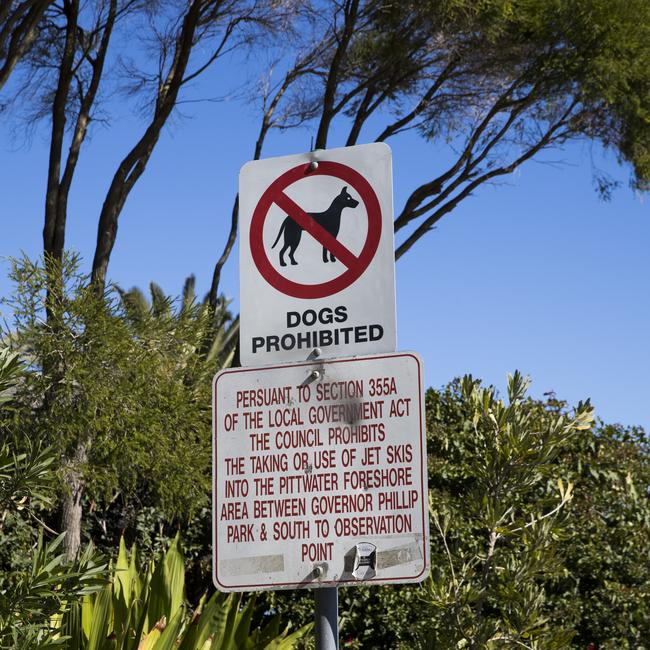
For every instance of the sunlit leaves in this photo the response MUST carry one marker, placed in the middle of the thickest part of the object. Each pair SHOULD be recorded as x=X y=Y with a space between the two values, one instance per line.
x=127 y=379
x=143 y=607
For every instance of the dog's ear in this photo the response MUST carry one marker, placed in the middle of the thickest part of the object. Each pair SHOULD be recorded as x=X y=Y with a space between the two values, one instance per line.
x=344 y=190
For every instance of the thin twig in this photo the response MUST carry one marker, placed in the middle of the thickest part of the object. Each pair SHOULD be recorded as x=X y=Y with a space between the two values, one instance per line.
x=548 y=514
x=451 y=563
x=43 y=524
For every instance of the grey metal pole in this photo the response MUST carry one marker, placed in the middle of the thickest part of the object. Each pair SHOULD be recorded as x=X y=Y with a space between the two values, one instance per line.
x=327 y=618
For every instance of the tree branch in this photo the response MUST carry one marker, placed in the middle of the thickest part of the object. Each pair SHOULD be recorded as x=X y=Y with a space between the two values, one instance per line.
x=301 y=67
x=468 y=171
x=16 y=39
x=215 y=55
x=552 y=134
x=59 y=108
x=362 y=114
x=230 y=242
x=350 y=16
x=87 y=100
x=397 y=126
x=134 y=163
x=435 y=186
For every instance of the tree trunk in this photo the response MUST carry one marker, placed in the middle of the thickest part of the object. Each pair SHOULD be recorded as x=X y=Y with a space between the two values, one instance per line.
x=135 y=162
x=73 y=489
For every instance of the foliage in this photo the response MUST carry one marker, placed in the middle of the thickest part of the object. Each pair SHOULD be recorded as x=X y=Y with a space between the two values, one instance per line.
x=151 y=532
x=593 y=53
x=497 y=82
x=493 y=84
x=25 y=480
x=539 y=522
x=149 y=529
x=145 y=608
x=605 y=587
x=131 y=387
x=43 y=586
x=72 y=605
x=572 y=576
x=593 y=563
x=495 y=545
x=34 y=599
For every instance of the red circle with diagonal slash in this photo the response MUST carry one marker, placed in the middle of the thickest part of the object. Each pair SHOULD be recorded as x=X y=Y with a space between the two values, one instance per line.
x=356 y=265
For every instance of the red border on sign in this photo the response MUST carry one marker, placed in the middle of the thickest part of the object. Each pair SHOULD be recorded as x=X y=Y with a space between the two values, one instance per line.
x=325 y=583
x=355 y=265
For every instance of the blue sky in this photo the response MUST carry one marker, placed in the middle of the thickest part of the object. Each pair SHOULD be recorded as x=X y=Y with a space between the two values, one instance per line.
x=535 y=274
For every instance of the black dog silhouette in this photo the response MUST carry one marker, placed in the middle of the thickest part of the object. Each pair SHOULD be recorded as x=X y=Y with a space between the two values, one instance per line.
x=330 y=220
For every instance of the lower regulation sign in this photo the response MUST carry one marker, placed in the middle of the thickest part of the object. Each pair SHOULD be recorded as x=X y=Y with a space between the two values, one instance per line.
x=320 y=474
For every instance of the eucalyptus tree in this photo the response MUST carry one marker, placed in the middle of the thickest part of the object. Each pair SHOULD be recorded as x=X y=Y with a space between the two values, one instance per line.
x=70 y=58
x=490 y=85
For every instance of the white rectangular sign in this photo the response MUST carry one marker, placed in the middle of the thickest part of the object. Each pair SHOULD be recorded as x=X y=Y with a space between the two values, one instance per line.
x=317 y=264
x=320 y=474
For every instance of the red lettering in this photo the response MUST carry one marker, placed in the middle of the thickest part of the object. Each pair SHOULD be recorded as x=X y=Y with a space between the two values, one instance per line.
x=324 y=459
x=240 y=533
x=400 y=408
x=316 y=552
x=234 y=510
x=283 y=530
x=399 y=453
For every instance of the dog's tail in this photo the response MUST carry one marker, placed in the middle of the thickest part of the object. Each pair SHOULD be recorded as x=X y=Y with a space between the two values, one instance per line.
x=277 y=239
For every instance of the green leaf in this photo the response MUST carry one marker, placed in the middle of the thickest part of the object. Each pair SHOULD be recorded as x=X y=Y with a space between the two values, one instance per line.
x=168 y=638
x=159 y=596
x=224 y=623
x=175 y=576
x=242 y=623
x=102 y=611
x=122 y=574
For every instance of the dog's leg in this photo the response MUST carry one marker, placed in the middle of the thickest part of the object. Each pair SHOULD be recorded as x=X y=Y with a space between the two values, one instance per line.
x=292 y=241
x=332 y=258
x=282 y=251
x=325 y=251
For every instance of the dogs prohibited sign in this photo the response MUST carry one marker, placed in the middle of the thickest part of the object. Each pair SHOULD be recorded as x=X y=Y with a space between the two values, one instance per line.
x=316 y=255
x=320 y=474
x=318 y=227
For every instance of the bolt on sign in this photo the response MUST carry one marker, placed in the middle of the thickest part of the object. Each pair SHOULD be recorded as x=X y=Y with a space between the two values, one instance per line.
x=317 y=266
x=320 y=474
